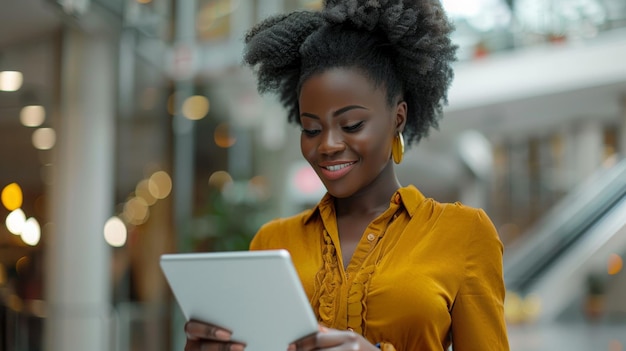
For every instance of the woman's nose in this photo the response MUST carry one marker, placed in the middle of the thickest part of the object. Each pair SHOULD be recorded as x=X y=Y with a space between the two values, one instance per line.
x=331 y=143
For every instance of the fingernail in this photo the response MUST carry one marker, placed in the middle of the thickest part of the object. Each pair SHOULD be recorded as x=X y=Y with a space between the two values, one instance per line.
x=236 y=347
x=222 y=334
x=291 y=347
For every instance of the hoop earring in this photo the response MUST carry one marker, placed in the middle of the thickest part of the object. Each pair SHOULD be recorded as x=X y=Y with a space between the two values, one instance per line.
x=397 y=148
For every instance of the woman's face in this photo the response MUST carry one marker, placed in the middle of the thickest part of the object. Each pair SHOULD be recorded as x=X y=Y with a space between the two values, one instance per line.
x=347 y=129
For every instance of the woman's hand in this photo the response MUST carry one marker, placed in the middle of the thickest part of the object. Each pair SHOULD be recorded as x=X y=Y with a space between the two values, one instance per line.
x=333 y=339
x=206 y=337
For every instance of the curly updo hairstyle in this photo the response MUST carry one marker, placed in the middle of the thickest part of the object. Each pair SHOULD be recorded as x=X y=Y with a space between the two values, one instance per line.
x=401 y=45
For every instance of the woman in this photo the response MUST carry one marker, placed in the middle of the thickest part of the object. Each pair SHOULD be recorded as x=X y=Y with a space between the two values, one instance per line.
x=384 y=267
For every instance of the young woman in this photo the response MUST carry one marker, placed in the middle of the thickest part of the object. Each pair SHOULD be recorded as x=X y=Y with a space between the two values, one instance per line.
x=384 y=267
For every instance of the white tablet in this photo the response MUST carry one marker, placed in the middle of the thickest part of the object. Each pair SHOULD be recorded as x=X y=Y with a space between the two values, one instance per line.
x=255 y=294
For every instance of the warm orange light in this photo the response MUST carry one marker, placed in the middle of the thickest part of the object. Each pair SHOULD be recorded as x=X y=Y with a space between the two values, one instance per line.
x=12 y=196
x=195 y=107
x=21 y=266
x=223 y=137
x=615 y=264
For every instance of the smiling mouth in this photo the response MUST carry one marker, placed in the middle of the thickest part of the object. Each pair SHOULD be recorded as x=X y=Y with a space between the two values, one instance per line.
x=335 y=168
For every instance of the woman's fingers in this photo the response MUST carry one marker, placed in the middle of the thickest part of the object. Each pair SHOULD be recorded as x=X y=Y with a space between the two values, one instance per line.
x=336 y=338
x=304 y=344
x=327 y=339
x=207 y=337
x=203 y=345
x=196 y=330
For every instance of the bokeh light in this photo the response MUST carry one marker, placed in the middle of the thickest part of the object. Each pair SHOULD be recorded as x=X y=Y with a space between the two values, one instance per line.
x=220 y=179
x=32 y=115
x=615 y=345
x=31 y=232
x=222 y=136
x=115 y=232
x=259 y=186
x=142 y=190
x=44 y=138
x=195 y=107
x=615 y=264
x=136 y=211
x=21 y=266
x=11 y=80
x=307 y=181
x=531 y=307
x=160 y=185
x=15 y=221
x=12 y=196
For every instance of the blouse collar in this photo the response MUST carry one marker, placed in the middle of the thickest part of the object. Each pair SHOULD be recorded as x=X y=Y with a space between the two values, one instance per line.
x=409 y=196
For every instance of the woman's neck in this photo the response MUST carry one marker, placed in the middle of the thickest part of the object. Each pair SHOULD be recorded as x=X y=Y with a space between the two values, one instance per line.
x=374 y=198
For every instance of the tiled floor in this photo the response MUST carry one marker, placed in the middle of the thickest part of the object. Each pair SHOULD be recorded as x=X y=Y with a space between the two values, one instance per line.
x=568 y=337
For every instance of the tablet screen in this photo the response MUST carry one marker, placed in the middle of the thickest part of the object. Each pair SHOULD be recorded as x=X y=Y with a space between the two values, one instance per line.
x=255 y=294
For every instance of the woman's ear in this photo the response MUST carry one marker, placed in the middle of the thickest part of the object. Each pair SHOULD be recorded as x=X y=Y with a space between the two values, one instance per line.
x=401 y=113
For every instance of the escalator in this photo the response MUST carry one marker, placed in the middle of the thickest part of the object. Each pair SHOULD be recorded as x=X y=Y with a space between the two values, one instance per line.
x=571 y=243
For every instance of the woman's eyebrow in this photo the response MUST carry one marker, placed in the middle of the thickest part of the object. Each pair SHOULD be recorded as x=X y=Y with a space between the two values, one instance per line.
x=348 y=108
x=336 y=113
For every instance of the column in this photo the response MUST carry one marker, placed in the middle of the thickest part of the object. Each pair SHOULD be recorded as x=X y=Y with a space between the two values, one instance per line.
x=81 y=200
x=589 y=148
x=622 y=131
x=184 y=141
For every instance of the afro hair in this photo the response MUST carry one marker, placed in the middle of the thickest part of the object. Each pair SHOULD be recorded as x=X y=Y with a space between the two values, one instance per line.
x=402 y=45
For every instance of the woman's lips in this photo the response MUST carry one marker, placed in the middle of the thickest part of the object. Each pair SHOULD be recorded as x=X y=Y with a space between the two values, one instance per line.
x=337 y=170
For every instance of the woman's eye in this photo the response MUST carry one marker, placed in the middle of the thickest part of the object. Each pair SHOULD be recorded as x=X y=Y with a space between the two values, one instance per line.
x=310 y=132
x=353 y=127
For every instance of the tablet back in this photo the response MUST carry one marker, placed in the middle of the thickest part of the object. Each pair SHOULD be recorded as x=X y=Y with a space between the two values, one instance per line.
x=255 y=294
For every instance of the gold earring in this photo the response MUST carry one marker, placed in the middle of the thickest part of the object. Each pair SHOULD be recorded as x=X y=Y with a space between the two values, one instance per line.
x=397 y=148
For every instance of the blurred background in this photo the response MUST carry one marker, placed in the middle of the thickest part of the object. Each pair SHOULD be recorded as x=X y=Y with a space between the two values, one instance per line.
x=129 y=129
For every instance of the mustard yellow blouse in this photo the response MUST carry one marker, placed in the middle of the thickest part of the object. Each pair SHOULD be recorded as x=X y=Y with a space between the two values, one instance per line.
x=423 y=276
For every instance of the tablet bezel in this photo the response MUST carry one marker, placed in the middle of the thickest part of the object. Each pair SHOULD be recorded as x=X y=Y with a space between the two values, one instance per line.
x=260 y=297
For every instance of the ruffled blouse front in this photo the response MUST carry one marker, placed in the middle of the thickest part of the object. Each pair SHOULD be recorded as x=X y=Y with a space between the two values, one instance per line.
x=423 y=275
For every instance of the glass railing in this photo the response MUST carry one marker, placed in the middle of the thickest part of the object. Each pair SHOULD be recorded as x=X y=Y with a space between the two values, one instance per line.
x=133 y=326
x=486 y=27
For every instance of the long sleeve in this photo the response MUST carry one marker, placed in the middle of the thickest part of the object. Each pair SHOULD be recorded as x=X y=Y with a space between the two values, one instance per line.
x=477 y=313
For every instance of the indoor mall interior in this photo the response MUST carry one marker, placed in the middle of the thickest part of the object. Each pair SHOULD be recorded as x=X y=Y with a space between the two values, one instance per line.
x=130 y=129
